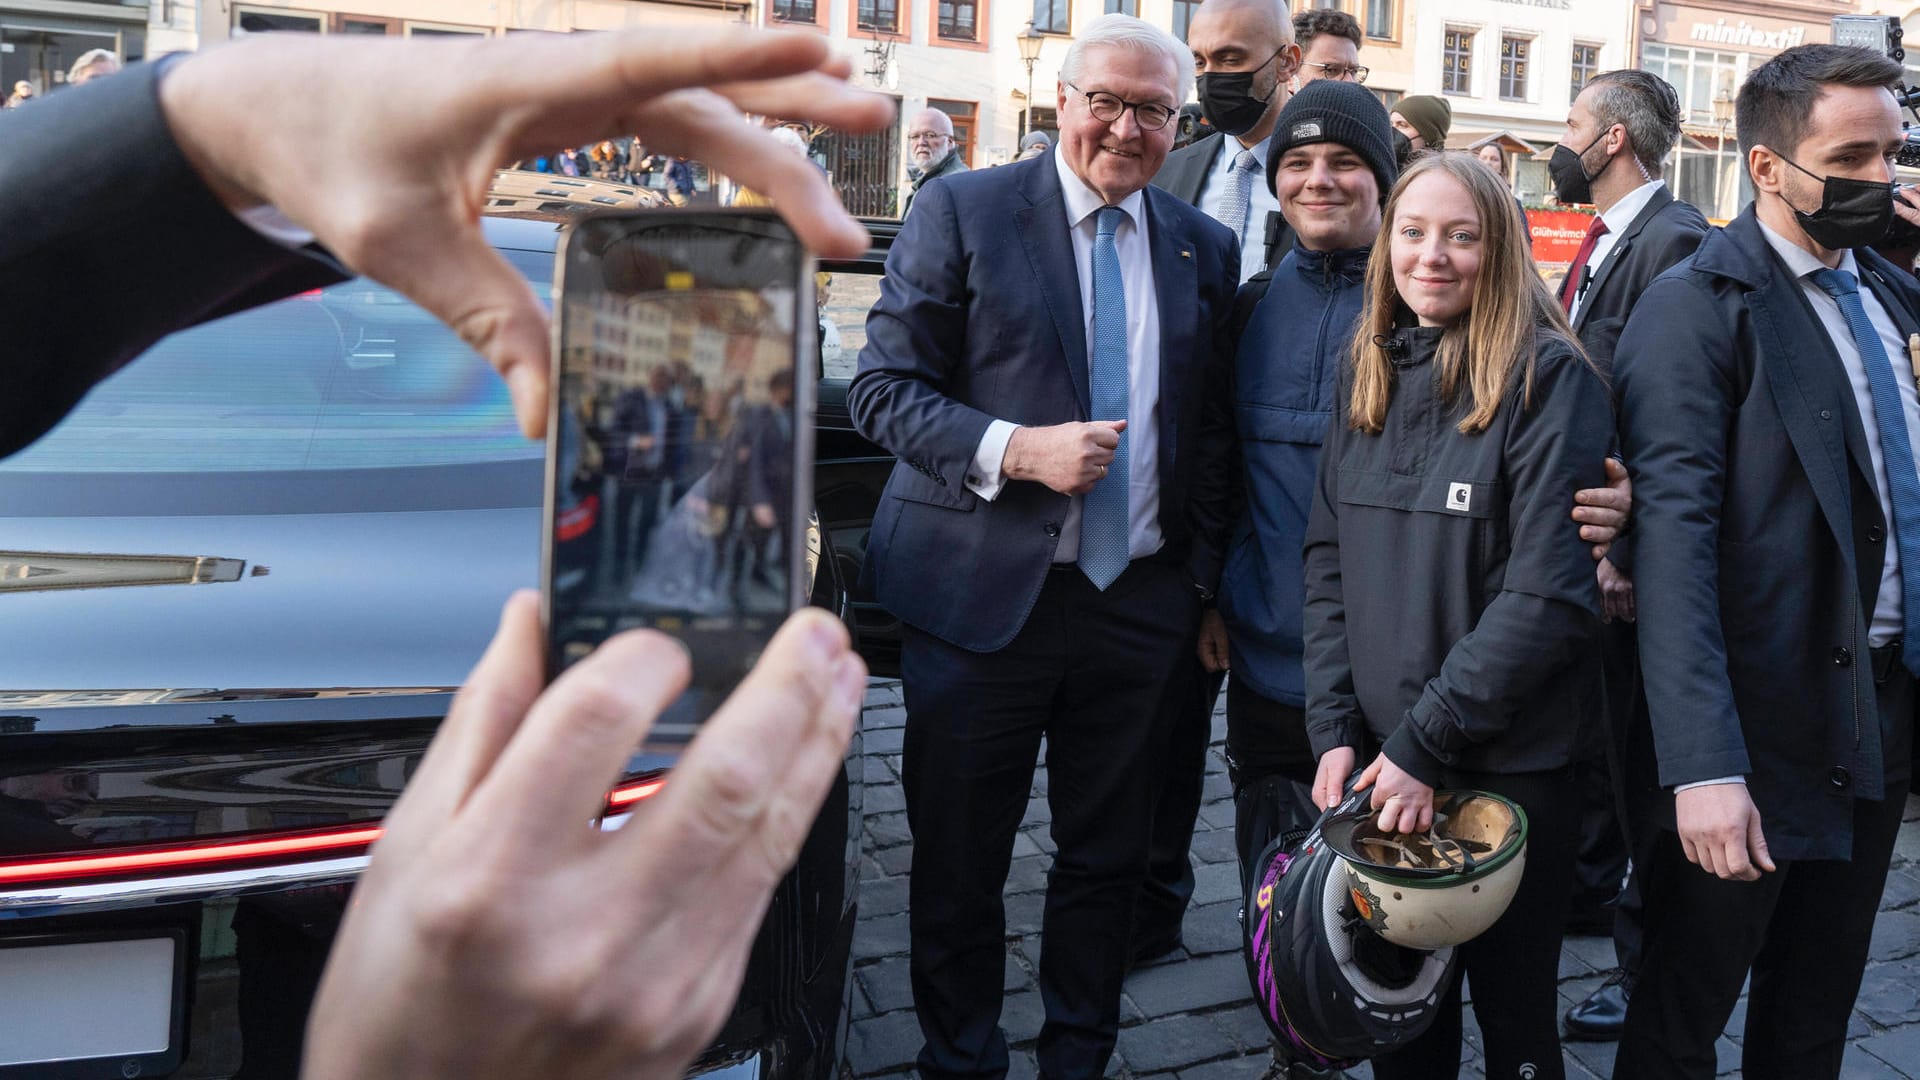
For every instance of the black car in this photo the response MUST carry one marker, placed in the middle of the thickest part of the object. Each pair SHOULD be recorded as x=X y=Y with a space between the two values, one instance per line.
x=237 y=588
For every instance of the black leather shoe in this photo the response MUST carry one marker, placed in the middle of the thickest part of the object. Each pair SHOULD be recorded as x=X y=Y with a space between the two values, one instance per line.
x=1146 y=948
x=1602 y=1016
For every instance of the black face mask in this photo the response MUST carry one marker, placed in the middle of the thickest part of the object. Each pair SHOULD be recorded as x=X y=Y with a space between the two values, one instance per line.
x=1402 y=148
x=1853 y=213
x=1227 y=98
x=1571 y=184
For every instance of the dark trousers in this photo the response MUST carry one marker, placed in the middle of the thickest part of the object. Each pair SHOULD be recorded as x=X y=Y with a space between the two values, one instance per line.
x=1802 y=930
x=1087 y=673
x=1270 y=761
x=1179 y=776
x=1514 y=965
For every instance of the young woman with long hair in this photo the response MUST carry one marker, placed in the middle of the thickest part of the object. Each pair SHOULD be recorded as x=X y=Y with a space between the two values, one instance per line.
x=1451 y=613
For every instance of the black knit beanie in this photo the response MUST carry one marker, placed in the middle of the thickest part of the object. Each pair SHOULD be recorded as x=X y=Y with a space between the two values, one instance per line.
x=1328 y=110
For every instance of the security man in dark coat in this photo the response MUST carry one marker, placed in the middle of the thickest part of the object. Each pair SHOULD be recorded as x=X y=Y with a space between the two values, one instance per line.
x=1769 y=417
x=1619 y=132
x=1245 y=55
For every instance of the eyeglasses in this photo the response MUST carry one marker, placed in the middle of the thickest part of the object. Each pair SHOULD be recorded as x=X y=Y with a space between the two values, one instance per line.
x=926 y=136
x=1342 y=72
x=1106 y=108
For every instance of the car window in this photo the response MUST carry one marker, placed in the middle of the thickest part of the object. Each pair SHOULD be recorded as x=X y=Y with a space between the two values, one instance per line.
x=353 y=376
x=843 y=320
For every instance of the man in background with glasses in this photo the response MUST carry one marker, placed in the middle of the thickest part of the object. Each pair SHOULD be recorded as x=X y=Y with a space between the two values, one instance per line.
x=932 y=151
x=1329 y=46
x=1048 y=361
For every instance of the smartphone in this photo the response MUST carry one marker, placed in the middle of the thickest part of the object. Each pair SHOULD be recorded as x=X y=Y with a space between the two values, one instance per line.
x=679 y=442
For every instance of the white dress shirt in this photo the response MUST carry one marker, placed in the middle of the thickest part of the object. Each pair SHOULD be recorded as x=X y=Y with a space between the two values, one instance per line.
x=1131 y=243
x=1618 y=217
x=1260 y=200
x=1888 y=609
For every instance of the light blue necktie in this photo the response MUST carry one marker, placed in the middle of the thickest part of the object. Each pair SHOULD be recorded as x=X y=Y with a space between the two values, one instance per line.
x=1103 y=512
x=1895 y=447
x=1234 y=201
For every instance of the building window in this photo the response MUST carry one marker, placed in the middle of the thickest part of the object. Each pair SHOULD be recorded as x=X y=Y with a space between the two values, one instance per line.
x=1123 y=7
x=794 y=11
x=1183 y=16
x=1456 y=68
x=263 y=22
x=1586 y=64
x=1050 y=16
x=958 y=19
x=1513 y=68
x=1380 y=19
x=962 y=114
x=883 y=15
x=1697 y=75
x=1388 y=98
x=364 y=24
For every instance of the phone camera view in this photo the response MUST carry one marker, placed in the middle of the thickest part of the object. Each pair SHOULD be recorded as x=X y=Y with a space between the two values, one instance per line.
x=675 y=493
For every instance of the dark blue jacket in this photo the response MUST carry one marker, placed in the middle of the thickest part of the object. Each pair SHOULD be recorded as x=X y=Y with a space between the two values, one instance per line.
x=979 y=318
x=1287 y=361
x=1758 y=541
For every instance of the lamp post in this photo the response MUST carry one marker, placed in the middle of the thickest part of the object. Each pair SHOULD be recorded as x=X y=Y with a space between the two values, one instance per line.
x=1029 y=43
x=1722 y=116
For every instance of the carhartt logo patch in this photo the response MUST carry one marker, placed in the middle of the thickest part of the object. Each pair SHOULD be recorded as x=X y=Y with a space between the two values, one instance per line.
x=1460 y=497
x=1307 y=129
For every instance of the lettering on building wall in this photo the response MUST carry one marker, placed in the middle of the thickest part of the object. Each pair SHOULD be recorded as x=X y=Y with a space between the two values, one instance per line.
x=1722 y=32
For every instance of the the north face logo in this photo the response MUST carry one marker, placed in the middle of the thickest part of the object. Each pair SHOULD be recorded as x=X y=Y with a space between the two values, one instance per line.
x=1306 y=129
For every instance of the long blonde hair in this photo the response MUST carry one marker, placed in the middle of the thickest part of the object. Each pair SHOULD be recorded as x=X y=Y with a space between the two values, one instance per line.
x=1497 y=333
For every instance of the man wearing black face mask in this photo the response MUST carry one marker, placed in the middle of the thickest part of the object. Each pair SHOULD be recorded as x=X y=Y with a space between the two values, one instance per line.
x=1769 y=419
x=1245 y=56
x=1619 y=132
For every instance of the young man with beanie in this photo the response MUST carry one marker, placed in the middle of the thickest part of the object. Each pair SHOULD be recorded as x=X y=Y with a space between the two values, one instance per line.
x=1331 y=165
x=1423 y=120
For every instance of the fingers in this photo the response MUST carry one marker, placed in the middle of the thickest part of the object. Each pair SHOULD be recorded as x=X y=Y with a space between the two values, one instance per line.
x=1757 y=844
x=743 y=797
x=1106 y=435
x=1369 y=774
x=702 y=123
x=485 y=714
x=448 y=268
x=579 y=734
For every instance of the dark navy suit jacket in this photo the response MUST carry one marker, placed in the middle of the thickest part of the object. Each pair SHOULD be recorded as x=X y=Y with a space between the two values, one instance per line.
x=1758 y=540
x=979 y=319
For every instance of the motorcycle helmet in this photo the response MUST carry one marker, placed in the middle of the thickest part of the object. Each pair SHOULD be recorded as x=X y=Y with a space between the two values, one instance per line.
x=1333 y=991
x=1351 y=932
x=1443 y=888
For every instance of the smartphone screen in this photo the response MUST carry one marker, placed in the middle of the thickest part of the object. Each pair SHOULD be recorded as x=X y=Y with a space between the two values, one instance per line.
x=680 y=446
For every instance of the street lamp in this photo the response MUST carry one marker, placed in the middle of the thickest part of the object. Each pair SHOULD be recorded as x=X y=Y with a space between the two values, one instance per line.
x=1722 y=116
x=1029 y=43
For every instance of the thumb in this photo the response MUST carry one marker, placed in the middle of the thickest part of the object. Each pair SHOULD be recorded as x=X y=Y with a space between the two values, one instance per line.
x=460 y=279
x=1113 y=425
x=1616 y=471
x=1757 y=843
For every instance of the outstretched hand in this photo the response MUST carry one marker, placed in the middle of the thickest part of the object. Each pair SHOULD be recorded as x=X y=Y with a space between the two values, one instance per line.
x=497 y=933
x=385 y=150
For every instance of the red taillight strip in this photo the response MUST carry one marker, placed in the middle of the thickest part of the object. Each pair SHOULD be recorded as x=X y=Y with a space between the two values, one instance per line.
x=201 y=856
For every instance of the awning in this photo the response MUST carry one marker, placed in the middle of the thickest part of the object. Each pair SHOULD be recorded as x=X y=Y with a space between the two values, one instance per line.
x=1473 y=140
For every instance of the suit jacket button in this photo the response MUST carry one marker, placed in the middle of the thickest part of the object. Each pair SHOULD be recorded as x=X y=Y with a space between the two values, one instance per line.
x=1053 y=528
x=1840 y=778
x=1826 y=414
x=1876 y=534
x=1842 y=657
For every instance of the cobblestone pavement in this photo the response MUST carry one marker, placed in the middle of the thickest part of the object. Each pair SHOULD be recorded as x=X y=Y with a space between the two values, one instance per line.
x=1191 y=1017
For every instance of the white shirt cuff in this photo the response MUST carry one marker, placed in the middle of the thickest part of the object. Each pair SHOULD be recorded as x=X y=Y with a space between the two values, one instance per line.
x=986 y=477
x=269 y=222
x=1710 y=783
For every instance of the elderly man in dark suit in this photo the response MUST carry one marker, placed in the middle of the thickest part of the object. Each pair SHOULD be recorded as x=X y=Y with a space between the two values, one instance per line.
x=1048 y=360
x=1620 y=130
x=1769 y=417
